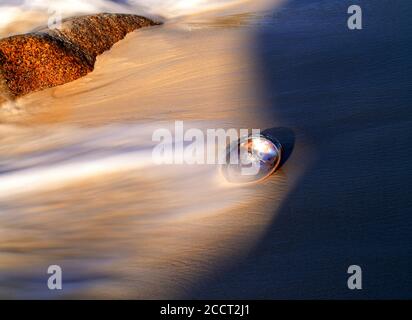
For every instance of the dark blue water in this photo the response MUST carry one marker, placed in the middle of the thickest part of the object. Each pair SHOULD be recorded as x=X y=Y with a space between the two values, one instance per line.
x=347 y=95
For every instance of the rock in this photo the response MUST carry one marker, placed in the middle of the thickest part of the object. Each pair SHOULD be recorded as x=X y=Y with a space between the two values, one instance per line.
x=49 y=57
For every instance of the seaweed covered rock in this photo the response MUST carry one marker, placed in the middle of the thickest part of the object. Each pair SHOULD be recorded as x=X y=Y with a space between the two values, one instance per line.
x=51 y=57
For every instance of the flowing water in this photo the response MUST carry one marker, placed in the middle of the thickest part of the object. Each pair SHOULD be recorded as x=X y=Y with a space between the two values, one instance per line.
x=77 y=184
x=78 y=187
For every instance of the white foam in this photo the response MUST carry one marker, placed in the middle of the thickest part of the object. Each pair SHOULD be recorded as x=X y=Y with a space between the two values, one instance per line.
x=75 y=154
x=11 y=10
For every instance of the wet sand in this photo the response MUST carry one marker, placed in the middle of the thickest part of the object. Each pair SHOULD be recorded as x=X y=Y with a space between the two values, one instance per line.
x=332 y=97
x=346 y=96
x=133 y=231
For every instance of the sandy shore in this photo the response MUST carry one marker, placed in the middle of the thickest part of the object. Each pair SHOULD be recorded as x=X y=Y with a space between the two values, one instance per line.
x=338 y=101
x=134 y=233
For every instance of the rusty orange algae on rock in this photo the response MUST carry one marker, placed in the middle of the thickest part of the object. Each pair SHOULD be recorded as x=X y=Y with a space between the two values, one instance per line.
x=51 y=57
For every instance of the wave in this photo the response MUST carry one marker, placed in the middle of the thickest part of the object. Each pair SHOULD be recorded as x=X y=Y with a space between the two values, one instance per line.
x=77 y=182
x=72 y=154
x=13 y=10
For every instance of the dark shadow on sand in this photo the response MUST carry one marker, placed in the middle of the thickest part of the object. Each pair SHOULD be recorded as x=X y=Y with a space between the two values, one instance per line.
x=286 y=137
x=347 y=96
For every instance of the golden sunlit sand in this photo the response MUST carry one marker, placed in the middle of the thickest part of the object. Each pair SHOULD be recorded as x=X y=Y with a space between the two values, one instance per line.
x=142 y=233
